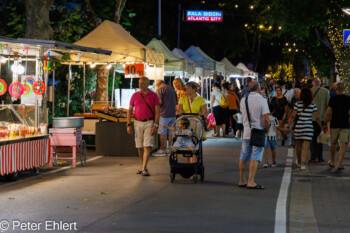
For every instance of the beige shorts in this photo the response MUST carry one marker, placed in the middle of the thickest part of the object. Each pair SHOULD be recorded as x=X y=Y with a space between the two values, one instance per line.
x=339 y=134
x=143 y=137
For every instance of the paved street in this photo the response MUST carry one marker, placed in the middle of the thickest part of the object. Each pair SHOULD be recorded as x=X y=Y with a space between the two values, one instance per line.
x=107 y=196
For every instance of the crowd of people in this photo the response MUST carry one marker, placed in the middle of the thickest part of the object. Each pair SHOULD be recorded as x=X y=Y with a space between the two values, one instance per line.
x=294 y=113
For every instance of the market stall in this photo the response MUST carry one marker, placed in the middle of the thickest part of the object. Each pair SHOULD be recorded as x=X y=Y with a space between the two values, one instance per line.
x=137 y=61
x=176 y=66
x=210 y=67
x=24 y=139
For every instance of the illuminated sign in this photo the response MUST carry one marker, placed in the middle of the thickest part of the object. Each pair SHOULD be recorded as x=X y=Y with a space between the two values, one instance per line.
x=134 y=70
x=204 y=16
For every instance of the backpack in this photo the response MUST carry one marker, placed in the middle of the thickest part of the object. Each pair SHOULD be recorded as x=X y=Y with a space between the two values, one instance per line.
x=223 y=102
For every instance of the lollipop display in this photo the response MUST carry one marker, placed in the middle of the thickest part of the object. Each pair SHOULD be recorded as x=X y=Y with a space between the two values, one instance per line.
x=3 y=87
x=39 y=87
x=16 y=89
x=28 y=89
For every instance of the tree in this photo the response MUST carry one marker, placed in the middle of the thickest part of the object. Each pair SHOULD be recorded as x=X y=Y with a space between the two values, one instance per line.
x=38 y=20
x=103 y=72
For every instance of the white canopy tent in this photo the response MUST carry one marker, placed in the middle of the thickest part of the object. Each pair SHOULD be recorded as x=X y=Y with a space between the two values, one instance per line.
x=246 y=71
x=230 y=69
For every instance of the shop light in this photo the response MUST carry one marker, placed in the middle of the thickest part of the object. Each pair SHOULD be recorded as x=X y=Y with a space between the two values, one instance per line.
x=238 y=84
x=109 y=66
x=3 y=60
x=287 y=44
x=93 y=65
x=17 y=68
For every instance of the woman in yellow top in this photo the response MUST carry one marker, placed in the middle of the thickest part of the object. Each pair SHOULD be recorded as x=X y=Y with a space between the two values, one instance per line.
x=192 y=102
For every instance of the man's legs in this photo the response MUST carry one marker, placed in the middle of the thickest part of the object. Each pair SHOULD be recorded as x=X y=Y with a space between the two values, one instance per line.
x=252 y=171
x=314 y=144
x=341 y=154
x=333 y=149
x=170 y=140
x=162 y=139
x=242 y=166
x=145 y=157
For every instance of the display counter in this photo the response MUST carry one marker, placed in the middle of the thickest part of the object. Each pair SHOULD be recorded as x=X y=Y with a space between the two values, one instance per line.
x=25 y=153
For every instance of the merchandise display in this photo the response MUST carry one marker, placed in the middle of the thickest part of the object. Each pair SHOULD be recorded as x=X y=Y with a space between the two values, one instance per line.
x=16 y=89
x=39 y=87
x=3 y=87
x=28 y=89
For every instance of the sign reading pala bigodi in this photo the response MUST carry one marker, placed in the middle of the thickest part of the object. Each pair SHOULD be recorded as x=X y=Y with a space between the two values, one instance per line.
x=204 y=16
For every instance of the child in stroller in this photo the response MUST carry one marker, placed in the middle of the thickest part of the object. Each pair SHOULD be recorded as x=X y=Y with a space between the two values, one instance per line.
x=184 y=141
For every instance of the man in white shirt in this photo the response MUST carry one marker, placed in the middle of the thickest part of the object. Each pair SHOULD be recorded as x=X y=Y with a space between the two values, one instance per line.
x=259 y=117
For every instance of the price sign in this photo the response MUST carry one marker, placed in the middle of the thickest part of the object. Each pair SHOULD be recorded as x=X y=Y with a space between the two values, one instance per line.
x=134 y=70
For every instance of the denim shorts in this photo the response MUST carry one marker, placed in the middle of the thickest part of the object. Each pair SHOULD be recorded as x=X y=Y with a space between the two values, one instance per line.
x=270 y=144
x=251 y=152
x=169 y=121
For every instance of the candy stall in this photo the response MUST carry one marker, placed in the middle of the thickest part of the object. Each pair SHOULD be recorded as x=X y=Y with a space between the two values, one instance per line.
x=27 y=64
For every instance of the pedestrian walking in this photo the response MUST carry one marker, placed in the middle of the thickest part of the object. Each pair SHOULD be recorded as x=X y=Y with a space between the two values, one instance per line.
x=146 y=105
x=245 y=89
x=233 y=107
x=256 y=106
x=295 y=99
x=338 y=114
x=219 y=108
x=180 y=88
x=239 y=120
x=280 y=103
x=320 y=98
x=167 y=100
x=303 y=128
x=270 y=142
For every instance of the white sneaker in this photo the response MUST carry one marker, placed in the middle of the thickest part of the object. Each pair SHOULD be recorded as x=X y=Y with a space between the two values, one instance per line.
x=159 y=153
x=265 y=165
x=274 y=165
x=303 y=167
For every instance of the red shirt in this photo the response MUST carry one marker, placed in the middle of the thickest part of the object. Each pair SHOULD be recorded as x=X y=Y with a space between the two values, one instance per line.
x=142 y=112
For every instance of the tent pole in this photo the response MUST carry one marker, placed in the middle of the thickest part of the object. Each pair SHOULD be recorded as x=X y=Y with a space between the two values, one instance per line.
x=178 y=26
x=53 y=92
x=84 y=87
x=113 y=87
x=68 y=96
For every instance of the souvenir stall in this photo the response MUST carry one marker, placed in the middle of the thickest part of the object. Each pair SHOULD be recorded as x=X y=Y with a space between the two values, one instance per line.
x=233 y=74
x=24 y=139
x=210 y=67
x=138 y=61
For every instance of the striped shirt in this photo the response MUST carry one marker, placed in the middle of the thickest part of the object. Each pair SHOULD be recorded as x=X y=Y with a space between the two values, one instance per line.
x=303 y=126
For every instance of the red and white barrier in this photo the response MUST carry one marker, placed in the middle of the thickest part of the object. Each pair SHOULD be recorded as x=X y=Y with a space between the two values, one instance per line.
x=23 y=155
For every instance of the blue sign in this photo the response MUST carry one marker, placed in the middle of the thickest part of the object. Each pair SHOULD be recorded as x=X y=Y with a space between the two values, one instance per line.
x=204 y=16
x=346 y=38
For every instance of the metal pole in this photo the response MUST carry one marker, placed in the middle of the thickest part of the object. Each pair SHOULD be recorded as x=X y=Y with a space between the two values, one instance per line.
x=53 y=92
x=36 y=97
x=178 y=26
x=84 y=94
x=113 y=87
x=68 y=95
x=159 y=18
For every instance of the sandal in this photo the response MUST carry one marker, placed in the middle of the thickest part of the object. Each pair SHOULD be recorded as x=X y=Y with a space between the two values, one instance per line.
x=138 y=172
x=256 y=187
x=215 y=135
x=145 y=173
x=329 y=164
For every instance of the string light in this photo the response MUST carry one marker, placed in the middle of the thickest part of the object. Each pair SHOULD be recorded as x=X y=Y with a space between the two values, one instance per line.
x=252 y=7
x=236 y=6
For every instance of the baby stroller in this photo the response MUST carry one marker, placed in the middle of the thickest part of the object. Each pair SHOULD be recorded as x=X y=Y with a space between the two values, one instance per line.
x=187 y=170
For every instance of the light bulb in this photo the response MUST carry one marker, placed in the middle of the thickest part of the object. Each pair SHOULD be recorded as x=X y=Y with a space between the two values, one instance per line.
x=3 y=60
x=17 y=68
x=109 y=66
x=92 y=65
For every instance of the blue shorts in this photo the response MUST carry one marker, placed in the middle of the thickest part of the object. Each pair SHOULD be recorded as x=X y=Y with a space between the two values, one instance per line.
x=251 y=152
x=270 y=144
x=169 y=121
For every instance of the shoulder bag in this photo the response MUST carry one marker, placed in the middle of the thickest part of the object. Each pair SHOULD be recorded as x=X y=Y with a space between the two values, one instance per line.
x=149 y=107
x=257 y=136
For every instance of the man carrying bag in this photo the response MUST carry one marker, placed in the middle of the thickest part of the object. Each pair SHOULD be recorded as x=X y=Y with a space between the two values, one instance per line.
x=255 y=112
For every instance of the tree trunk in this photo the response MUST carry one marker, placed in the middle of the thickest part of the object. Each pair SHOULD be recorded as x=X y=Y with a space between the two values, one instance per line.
x=90 y=13
x=37 y=19
x=102 y=84
x=118 y=9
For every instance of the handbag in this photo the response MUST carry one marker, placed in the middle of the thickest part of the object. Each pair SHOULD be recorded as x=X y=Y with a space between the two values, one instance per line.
x=257 y=136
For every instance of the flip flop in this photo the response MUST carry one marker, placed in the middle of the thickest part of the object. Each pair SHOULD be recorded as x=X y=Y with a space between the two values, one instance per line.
x=329 y=164
x=256 y=187
x=340 y=168
x=242 y=185
x=145 y=173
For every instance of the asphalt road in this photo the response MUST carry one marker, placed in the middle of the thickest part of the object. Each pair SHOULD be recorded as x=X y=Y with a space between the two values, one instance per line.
x=107 y=196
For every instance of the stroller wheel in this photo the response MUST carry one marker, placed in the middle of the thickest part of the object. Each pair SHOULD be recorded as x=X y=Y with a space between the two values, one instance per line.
x=202 y=174
x=172 y=177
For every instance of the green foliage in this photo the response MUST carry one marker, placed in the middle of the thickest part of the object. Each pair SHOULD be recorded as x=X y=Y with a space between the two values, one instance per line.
x=13 y=23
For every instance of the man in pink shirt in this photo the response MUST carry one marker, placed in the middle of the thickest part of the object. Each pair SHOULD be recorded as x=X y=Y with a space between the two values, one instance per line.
x=146 y=104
